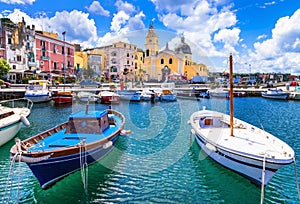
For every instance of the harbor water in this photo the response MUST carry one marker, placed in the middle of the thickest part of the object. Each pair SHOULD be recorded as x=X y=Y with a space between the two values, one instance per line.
x=159 y=162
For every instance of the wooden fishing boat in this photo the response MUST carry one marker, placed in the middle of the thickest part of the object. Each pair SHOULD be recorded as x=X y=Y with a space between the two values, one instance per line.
x=238 y=145
x=84 y=139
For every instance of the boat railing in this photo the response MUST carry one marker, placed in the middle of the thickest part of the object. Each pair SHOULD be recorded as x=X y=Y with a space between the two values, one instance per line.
x=18 y=103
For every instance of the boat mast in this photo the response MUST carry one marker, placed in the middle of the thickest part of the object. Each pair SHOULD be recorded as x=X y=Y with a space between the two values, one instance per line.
x=231 y=93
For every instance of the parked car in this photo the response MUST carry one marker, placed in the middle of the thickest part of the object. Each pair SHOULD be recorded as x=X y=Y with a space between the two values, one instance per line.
x=89 y=83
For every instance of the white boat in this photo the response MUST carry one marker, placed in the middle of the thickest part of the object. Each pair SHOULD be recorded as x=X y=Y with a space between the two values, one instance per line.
x=275 y=94
x=13 y=114
x=238 y=145
x=219 y=92
x=37 y=91
x=85 y=96
x=149 y=95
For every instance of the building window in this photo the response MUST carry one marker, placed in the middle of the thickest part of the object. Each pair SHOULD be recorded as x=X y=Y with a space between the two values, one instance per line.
x=162 y=61
x=113 y=54
x=54 y=48
x=127 y=54
x=147 y=53
x=27 y=37
x=170 y=61
x=63 y=50
x=55 y=65
x=69 y=51
x=19 y=58
x=9 y=41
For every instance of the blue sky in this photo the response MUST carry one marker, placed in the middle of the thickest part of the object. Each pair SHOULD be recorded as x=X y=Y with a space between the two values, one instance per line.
x=264 y=36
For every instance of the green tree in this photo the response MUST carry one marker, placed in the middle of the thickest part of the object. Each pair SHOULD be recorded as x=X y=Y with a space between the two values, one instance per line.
x=4 y=68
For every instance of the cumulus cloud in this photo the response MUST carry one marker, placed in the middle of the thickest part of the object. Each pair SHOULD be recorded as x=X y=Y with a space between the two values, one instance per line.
x=125 y=6
x=283 y=48
x=96 y=8
x=206 y=25
x=30 y=2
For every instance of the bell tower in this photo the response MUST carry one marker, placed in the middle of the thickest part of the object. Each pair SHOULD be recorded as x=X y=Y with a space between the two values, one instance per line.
x=152 y=49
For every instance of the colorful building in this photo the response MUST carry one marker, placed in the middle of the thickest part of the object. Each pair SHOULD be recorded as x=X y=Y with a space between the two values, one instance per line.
x=162 y=64
x=54 y=56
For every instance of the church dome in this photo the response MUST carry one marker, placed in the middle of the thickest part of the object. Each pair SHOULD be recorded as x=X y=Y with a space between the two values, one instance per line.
x=183 y=47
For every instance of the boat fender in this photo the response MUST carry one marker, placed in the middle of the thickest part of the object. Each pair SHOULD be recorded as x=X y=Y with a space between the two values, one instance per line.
x=31 y=160
x=211 y=147
x=107 y=145
x=125 y=132
x=193 y=131
x=25 y=121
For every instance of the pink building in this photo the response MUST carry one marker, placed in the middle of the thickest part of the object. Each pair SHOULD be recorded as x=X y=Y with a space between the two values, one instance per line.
x=52 y=54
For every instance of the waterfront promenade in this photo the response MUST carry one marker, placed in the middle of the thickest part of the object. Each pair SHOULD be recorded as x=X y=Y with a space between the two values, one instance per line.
x=18 y=90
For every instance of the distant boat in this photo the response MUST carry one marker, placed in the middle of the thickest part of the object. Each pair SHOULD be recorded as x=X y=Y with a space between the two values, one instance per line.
x=129 y=95
x=13 y=114
x=109 y=97
x=37 y=91
x=62 y=97
x=85 y=96
x=73 y=145
x=194 y=93
x=275 y=94
x=239 y=94
x=238 y=145
x=219 y=93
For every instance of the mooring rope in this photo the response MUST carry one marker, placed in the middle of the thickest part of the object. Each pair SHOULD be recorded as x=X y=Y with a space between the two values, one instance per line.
x=262 y=196
x=296 y=174
x=83 y=164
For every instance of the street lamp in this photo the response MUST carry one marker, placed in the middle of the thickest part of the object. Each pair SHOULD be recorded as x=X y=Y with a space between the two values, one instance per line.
x=64 y=66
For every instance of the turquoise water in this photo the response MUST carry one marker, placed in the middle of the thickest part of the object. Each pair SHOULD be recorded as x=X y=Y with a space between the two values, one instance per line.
x=158 y=162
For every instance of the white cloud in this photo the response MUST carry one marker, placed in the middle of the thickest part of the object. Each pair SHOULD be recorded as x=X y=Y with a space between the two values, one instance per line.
x=96 y=8
x=283 y=48
x=18 y=1
x=125 y=6
x=118 y=20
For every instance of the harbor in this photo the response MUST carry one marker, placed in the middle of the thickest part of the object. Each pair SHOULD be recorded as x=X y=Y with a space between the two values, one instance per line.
x=159 y=161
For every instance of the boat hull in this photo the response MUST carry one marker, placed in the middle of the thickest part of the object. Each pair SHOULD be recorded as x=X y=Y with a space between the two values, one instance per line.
x=62 y=97
x=49 y=171
x=38 y=98
x=248 y=167
x=282 y=96
x=9 y=132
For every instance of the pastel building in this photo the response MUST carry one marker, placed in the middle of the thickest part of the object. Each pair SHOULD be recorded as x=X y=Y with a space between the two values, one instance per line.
x=54 y=56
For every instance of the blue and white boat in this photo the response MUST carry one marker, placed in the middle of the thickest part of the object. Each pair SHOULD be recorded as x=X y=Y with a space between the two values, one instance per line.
x=275 y=94
x=13 y=115
x=238 y=145
x=37 y=91
x=73 y=145
x=130 y=95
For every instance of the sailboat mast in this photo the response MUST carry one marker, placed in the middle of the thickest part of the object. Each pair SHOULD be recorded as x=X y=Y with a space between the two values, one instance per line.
x=231 y=93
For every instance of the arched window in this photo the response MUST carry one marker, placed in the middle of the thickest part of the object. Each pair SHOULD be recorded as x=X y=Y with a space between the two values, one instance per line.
x=170 y=60
x=162 y=61
x=147 y=53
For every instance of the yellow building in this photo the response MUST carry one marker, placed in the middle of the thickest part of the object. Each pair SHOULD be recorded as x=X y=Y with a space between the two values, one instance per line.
x=161 y=65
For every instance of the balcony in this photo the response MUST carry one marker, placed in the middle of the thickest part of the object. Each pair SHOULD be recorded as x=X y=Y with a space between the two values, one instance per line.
x=45 y=58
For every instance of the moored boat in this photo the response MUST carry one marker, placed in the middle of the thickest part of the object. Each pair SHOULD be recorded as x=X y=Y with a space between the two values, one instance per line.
x=37 y=91
x=238 y=145
x=275 y=94
x=85 y=96
x=62 y=97
x=84 y=139
x=109 y=97
x=13 y=114
x=219 y=93
x=130 y=95
x=194 y=93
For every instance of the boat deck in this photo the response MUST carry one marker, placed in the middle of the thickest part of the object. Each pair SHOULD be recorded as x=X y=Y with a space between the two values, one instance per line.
x=63 y=139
